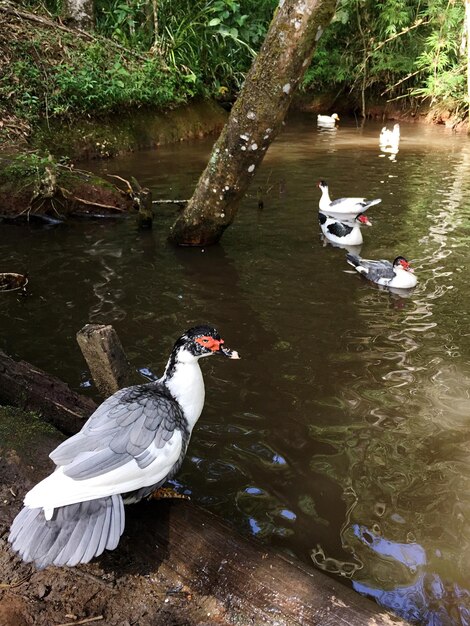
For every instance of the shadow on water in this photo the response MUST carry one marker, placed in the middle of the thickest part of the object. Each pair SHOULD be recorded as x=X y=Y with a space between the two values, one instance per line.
x=342 y=435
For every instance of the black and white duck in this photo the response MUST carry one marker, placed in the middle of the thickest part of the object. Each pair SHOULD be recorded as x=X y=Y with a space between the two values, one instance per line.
x=133 y=443
x=343 y=232
x=397 y=275
x=342 y=208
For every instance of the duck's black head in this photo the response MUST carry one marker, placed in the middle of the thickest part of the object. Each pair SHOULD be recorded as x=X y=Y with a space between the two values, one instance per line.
x=201 y=341
x=400 y=261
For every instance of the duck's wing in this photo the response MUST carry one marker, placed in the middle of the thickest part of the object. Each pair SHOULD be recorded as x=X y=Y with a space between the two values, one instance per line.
x=377 y=270
x=340 y=203
x=136 y=438
x=134 y=423
x=339 y=229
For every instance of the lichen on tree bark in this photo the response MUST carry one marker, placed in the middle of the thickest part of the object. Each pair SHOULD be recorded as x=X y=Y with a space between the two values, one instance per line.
x=255 y=120
x=79 y=13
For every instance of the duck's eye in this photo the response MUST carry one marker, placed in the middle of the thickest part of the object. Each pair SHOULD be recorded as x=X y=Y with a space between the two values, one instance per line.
x=205 y=341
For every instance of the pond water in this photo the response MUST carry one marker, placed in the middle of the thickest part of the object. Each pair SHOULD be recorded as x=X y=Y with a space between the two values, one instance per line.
x=343 y=434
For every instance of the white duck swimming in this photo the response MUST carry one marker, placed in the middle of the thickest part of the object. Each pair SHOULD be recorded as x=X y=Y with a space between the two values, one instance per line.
x=342 y=208
x=327 y=120
x=390 y=138
x=131 y=444
x=398 y=275
x=343 y=232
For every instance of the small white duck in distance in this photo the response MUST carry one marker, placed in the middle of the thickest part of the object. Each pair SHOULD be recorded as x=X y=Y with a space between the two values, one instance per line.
x=342 y=232
x=398 y=275
x=131 y=445
x=327 y=120
x=390 y=138
x=342 y=208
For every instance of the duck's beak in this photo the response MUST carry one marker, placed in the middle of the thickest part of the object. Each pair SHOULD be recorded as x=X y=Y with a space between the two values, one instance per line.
x=231 y=354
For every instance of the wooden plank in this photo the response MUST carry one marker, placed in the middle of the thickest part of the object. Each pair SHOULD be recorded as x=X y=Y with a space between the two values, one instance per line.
x=247 y=582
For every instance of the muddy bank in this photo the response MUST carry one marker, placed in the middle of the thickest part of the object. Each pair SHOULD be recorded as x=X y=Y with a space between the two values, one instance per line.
x=37 y=187
x=407 y=110
x=137 y=130
x=43 y=183
x=347 y=106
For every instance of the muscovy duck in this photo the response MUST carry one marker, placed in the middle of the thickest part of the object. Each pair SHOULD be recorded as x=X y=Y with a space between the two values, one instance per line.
x=342 y=208
x=131 y=444
x=327 y=120
x=398 y=274
x=342 y=232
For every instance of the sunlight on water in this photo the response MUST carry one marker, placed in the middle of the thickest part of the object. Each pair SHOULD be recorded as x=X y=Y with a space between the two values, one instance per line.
x=343 y=434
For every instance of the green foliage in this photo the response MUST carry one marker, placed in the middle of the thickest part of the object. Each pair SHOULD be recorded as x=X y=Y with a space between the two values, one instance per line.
x=372 y=54
x=210 y=43
x=27 y=166
x=442 y=60
x=397 y=48
x=90 y=78
x=373 y=48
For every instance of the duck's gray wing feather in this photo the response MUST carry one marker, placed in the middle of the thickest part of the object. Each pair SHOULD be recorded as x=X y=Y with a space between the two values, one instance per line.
x=378 y=269
x=339 y=201
x=134 y=423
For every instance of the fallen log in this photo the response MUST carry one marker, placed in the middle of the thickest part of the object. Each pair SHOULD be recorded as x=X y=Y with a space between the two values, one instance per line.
x=27 y=386
x=176 y=564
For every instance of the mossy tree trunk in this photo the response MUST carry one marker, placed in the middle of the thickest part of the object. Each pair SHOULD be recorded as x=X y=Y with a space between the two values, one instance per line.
x=255 y=120
x=79 y=13
x=467 y=36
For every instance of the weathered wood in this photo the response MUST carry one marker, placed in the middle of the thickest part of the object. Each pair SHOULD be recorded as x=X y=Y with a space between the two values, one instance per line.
x=254 y=121
x=180 y=203
x=105 y=357
x=144 y=203
x=27 y=386
x=175 y=564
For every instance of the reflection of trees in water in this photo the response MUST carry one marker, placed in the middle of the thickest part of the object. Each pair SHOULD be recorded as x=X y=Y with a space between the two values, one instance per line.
x=106 y=289
x=407 y=458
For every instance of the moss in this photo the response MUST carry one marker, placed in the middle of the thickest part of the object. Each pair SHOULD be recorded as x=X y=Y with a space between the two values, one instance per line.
x=21 y=431
x=36 y=184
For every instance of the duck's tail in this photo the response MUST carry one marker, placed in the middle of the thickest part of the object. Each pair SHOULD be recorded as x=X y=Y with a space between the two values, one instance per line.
x=75 y=533
x=370 y=203
x=353 y=259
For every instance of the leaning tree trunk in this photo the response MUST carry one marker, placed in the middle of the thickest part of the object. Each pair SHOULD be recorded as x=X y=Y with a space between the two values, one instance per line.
x=467 y=37
x=254 y=121
x=79 y=13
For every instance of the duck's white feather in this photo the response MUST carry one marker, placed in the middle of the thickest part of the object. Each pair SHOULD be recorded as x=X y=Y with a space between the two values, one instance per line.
x=59 y=490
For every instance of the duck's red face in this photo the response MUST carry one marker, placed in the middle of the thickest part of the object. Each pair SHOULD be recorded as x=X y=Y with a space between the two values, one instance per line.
x=210 y=343
x=363 y=219
x=215 y=346
x=406 y=266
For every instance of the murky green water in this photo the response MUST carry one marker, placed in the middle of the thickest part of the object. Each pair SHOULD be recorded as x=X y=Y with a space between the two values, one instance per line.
x=343 y=435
